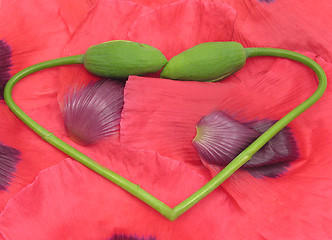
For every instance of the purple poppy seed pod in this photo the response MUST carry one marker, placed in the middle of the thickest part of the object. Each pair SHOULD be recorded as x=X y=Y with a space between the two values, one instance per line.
x=220 y=138
x=9 y=157
x=93 y=112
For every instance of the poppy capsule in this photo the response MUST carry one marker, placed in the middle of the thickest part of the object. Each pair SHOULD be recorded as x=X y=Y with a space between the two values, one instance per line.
x=206 y=62
x=119 y=59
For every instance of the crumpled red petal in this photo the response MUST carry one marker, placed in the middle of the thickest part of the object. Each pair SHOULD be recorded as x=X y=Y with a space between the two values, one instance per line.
x=155 y=3
x=68 y=201
x=281 y=24
x=176 y=27
x=75 y=11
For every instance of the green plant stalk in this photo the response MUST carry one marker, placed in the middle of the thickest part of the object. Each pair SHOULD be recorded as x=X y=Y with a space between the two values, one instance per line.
x=134 y=189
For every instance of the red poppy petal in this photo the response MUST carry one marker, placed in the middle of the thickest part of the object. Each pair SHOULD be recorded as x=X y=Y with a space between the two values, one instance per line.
x=108 y=20
x=176 y=27
x=69 y=201
x=29 y=36
x=280 y=24
x=155 y=3
x=298 y=204
x=75 y=11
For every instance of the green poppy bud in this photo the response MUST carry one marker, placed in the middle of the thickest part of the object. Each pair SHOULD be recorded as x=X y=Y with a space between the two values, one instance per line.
x=208 y=62
x=120 y=59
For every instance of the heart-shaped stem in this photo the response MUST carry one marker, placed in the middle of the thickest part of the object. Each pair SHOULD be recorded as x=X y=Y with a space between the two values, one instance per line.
x=134 y=189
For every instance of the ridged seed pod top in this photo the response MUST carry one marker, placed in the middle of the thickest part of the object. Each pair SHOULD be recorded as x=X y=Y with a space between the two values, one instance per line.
x=120 y=59
x=211 y=61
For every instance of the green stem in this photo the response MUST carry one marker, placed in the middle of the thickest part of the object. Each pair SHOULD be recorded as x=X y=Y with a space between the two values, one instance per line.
x=134 y=189
x=246 y=154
